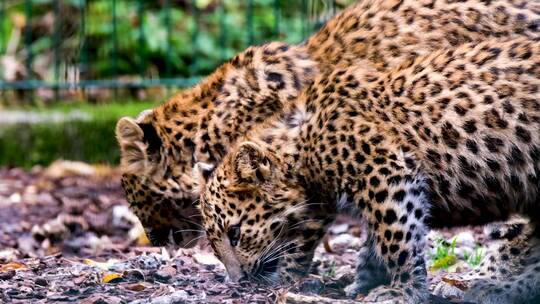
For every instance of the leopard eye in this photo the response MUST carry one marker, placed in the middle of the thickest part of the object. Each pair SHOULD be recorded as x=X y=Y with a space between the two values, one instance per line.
x=234 y=234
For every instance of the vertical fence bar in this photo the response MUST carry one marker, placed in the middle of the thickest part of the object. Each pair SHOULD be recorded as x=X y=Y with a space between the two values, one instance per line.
x=304 y=15
x=249 y=21
x=277 y=14
x=115 y=48
x=142 y=49
x=168 y=25
x=84 y=65
x=222 y=31
x=2 y=26
x=56 y=46
x=28 y=44
x=28 y=36
x=194 y=38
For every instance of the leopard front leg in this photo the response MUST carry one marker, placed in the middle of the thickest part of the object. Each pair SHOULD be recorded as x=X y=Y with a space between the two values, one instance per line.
x=395 y=214
x=370 y=270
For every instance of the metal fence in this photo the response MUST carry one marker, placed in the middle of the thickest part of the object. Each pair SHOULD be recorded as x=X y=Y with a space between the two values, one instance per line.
x=166 y=76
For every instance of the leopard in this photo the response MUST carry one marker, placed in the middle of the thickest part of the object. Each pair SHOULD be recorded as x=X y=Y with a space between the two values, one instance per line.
x=160 y=147
x=448 y=139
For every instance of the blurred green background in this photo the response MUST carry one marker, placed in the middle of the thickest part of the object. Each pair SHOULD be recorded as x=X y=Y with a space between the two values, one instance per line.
x=70 y=68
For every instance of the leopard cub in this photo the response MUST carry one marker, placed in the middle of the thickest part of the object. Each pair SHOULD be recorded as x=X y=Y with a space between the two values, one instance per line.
x=447 y=139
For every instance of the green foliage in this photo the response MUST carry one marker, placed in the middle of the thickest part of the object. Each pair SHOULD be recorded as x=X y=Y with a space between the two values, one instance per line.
x=444 y=255
x=203 y=33
x=474 y=258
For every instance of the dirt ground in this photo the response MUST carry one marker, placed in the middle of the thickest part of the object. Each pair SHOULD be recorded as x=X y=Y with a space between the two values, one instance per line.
x=66 y=235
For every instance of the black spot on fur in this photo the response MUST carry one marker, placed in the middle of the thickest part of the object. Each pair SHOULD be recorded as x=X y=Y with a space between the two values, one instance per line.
x=399 y=196
x=403 y=257
x=390 y=217
x=381 y=196
x=470 y=126
x=276 y=78
x=472 y=146
x=523 y=135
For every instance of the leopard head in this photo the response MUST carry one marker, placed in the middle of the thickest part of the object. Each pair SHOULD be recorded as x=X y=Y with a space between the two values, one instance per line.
x=258 y=217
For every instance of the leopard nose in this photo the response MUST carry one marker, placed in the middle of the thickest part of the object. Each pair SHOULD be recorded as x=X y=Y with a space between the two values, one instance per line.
x=158 y=236
x=237 y=277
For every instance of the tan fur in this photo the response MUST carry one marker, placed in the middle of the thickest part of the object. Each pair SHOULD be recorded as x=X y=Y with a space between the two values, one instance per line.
x=430 y=143
x=202 y=123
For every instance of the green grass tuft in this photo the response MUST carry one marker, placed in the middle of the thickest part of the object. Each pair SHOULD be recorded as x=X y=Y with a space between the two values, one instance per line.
x=444 y=255
x=474 y=258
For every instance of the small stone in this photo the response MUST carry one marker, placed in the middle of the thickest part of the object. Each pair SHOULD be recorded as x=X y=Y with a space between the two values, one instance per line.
x=8 y=255
x=206 y=259
x=41 y=282
x=12 y=292
x=165 y=274
x=38 y=295
x=344 y=241
x=7 y=275
x=71 y=292
x=178 y=296
x=133 y=275
x=339 y=229
x=313 y=286
x=220 y=278
x=101 y=299
x=15 y=198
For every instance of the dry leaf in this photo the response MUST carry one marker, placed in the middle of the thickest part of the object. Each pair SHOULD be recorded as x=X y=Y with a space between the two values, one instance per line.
x=326 y=243
x=143 y=240
x=111 y=278
x=461 y=285
x=136 y=287
x=13 y=266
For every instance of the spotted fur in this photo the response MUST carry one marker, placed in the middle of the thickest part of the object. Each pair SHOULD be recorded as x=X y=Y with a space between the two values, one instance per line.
x=444 y=140
x=159 y=149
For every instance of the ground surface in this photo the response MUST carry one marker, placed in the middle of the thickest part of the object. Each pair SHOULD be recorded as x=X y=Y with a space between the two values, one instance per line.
x=66 y=235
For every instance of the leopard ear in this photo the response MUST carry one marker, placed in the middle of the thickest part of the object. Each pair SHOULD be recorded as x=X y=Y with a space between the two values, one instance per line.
x=130 y=137
x=137 y=142
x=251 y=164
x=127 y=129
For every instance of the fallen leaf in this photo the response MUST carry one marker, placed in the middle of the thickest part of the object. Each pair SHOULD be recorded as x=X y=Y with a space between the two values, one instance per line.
x=136 y=287
x=462 y=285
x=112 y=278
x=13 y=266
x=80 y=280
x=326 y=243
x=356 y=231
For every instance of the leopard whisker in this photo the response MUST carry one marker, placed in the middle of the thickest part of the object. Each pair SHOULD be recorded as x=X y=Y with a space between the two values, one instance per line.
x=195 y=239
